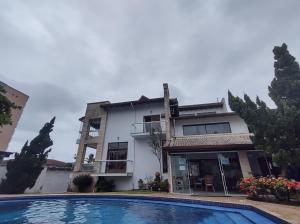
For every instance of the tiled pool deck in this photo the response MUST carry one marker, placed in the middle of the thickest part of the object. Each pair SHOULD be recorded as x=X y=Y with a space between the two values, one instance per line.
x=288 y=213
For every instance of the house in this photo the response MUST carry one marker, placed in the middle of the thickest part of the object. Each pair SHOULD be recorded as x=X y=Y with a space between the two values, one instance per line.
x=7 y=131
x=206 y=148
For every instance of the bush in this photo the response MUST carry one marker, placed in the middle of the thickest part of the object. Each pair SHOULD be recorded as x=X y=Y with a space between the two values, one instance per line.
x=83 y=182
x=281 y=188
x=104 y=185
x=164 y=186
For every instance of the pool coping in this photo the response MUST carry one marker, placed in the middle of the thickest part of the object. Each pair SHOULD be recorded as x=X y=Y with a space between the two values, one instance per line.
x=149 y=197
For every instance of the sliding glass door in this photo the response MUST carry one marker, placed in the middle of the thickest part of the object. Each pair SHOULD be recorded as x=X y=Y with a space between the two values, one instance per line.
x=206 y=173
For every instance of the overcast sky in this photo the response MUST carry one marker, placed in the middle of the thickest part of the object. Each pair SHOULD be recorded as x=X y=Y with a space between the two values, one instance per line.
x=65 y=53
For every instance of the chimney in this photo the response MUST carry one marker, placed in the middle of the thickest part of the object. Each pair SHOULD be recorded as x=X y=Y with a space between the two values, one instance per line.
x=167 y=111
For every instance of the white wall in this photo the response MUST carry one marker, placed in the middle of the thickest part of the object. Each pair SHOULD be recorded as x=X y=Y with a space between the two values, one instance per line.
x=118 y=129
x=49 y=181
x=56 y=181
x=237 y=124
x=217 y=110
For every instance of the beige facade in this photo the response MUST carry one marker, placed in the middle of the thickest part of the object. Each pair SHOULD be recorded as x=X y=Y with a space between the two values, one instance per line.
x=91 y=136
x=7 y=131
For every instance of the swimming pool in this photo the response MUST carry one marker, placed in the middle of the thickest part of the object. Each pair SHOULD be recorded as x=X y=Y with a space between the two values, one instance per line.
x=124 y=210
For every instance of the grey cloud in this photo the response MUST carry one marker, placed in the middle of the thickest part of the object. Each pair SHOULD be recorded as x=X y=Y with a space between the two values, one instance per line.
x=65 y=54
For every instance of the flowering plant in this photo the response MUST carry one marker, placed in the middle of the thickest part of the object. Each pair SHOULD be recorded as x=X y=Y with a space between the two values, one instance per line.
x=280 y=187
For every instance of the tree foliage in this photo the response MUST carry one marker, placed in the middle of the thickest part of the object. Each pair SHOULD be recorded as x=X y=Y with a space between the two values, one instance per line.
x=27 y=165
x=277 y=131
x=156 y=143
x=6 y=107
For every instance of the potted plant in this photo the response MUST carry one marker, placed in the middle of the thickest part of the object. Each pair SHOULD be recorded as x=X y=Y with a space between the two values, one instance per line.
x=141 y=184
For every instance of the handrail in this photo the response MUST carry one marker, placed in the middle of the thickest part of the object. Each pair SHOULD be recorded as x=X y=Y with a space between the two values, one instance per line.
x=114 y=160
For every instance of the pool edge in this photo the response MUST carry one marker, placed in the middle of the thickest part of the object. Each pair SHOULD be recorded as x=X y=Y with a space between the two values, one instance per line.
x=148 y=197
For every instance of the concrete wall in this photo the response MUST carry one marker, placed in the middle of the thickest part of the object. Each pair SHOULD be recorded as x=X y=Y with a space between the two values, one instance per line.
x=118 y=129
x=49 y=181
x=237 y=124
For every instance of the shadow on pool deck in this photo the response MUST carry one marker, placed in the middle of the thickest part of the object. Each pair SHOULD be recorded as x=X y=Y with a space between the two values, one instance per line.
x=286 y=212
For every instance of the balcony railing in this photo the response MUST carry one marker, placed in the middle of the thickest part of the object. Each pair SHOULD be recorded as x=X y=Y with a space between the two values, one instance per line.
x=147 y=127
x=113 y=168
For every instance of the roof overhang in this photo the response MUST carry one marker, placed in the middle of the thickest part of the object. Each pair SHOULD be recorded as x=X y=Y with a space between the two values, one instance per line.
x=133 y=103
x=203 y=115
x=210 y=142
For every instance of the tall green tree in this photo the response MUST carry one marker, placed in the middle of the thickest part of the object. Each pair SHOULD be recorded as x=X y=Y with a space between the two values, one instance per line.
x=24 y=169
x=6 y=107
x=277 y=131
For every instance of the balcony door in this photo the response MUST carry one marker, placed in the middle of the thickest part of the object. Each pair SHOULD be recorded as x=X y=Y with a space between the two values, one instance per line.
x=152 y=122
x=117 y=152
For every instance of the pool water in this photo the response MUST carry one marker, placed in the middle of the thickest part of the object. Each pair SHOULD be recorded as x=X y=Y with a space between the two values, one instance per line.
x=119 y=210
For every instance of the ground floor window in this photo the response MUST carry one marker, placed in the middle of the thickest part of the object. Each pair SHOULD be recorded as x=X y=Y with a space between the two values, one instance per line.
x=165 y=161
x=117 y=151
x=207 y=172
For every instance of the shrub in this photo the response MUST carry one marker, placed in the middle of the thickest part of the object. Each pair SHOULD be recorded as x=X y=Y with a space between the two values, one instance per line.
x=164 y=186
x=83 y=182
x=281 y=188
x=104 y=185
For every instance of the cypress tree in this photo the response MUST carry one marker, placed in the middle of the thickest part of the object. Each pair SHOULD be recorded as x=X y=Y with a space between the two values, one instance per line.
x=277 y=131
x=24 y=169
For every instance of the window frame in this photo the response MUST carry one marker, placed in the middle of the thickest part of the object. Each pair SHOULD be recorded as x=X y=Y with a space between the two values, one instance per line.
x=205 y=124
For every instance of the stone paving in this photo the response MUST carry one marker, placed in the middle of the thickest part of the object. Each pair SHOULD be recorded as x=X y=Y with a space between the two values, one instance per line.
x=286 y=212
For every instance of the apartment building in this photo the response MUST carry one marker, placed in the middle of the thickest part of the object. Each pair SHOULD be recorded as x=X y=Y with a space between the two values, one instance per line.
x=206 y=148
x=7 y=131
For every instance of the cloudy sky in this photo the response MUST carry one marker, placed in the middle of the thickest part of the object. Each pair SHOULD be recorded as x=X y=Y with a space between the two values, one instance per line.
x=65 y=53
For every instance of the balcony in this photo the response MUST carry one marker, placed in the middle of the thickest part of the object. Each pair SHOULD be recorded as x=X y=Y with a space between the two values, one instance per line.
x=142 y=130
x=113 y=168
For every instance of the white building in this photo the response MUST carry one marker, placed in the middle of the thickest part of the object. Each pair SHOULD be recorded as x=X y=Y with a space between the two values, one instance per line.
x=206 y=148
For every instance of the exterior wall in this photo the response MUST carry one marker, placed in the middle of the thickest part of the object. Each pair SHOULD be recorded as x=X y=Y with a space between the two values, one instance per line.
x=49 y=181
x=216 y=110
x=237 y=124
x=56 y=181
x=118 y=129
x=93 y=110
x=245 y=165
x=7 y=131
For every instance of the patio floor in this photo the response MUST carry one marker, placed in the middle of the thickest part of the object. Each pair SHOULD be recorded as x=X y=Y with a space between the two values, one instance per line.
x=286 y=212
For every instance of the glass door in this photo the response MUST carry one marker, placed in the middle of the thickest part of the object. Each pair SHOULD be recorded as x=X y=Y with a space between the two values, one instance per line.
x=231 y=172
x=180 y=174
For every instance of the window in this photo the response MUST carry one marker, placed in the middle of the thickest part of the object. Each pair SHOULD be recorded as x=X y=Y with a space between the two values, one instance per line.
x=152 y=122
x=202 y=129
x=217 y=128
x=94 y=126
x=117 y=151
x=165 y=161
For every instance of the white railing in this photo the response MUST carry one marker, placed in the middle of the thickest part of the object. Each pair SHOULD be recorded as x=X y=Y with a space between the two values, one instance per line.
x=146 y=127
x=113 y=167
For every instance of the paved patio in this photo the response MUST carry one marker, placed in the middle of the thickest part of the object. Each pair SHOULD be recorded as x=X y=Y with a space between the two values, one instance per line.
x=286 y=212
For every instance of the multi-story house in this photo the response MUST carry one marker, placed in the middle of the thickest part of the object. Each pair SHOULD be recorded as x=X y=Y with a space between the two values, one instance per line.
x=205 y=149
x=7 y=131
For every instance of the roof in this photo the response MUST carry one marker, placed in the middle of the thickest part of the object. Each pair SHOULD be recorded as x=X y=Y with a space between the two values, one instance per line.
x=210 y=141
x=202 y=115
x=51 y=164
x=142 y=100
x=200 y=106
